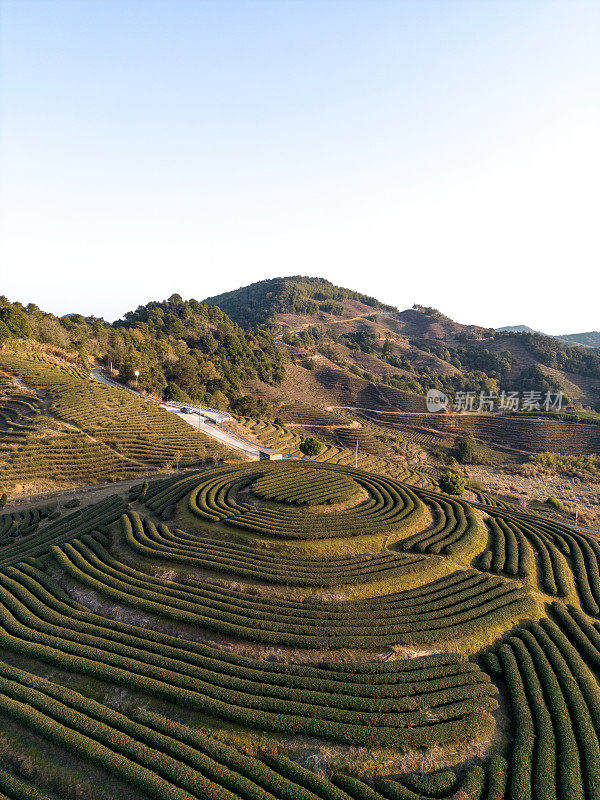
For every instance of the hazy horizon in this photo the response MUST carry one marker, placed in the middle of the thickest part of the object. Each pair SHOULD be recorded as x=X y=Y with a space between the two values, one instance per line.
x=444 y=153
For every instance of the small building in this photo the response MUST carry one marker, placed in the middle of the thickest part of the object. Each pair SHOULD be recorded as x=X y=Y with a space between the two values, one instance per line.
x=270 y=455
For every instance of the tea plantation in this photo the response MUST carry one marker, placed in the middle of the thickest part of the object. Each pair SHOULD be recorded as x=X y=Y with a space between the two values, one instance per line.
x=59 y=428
x=297 y=630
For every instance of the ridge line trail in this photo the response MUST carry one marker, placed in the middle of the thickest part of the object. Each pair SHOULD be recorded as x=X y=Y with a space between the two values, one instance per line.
x=336 y=321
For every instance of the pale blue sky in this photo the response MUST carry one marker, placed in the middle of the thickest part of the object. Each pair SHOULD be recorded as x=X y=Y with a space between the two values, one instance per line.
x=441 y=152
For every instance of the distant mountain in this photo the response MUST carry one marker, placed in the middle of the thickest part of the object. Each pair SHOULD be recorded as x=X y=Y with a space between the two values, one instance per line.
x=518 y=329
x=588 y=339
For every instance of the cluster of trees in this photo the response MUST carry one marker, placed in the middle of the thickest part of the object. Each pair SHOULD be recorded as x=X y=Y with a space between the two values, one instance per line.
x=362 y=339
x=198 y=349
x=260 y=302
x=552 y=353
x=533 y=378
x=183 y=350
x=310 y=447
x=430 y=312
x=474 y=359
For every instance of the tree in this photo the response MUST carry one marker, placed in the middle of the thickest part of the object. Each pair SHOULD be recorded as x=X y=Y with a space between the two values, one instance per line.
x=311 y=447
x=467 y=450
x=16 y=322
x=174 y=392
x=451 y=483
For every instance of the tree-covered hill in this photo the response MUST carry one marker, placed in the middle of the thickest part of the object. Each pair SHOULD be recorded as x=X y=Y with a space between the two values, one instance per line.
x=181 y=349
x=263 y=301
x=323 y=326
x=231 y=350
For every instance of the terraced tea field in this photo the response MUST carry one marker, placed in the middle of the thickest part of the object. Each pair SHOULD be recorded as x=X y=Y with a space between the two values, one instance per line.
x=524 y=434
x=339 y=436
x=60 y=428
x=297 y=631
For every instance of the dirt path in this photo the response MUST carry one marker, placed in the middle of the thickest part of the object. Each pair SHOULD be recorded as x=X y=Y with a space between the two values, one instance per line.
x=350 y=426
x=87 y=494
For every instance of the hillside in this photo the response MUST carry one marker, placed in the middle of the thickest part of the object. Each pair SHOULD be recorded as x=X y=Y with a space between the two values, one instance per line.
x=588 y=339
x=342 y=335
x=295 y=631
x=182 y=350
x=233 y=350
x=59 y=428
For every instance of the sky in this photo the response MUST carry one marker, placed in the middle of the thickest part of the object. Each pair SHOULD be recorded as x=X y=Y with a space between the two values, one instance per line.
x=443 y=152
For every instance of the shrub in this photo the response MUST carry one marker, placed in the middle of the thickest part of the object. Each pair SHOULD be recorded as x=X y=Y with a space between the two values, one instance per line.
x=174 y=392
x=3 y=499
x=555 y=503
x=451 y=483
x=466 y=452
x=311 y=447
x=73 y=503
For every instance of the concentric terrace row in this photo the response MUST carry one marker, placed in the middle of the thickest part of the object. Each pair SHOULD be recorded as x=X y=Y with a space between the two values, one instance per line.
x=447 y=608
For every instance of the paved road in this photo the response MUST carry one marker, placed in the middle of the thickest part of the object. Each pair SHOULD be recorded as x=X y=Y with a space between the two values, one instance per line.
x=203 y=419
x=99 y=376
x=201 y=423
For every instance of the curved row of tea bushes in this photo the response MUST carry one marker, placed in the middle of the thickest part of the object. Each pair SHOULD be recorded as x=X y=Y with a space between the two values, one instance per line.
x=14 y=787
x=83 y=521
x=216 y=498
x=561 y=553
x=218 y=495
x=22 y=523
x=508 y=550
x=447 y=608
x=413 y=712
x=152 y=541
x=170 y=761
x=486 y=499
x=455 y=527
x=555 y=705
x=583 y=634
x=296 y=486
x=162 y=495
x=478 y=783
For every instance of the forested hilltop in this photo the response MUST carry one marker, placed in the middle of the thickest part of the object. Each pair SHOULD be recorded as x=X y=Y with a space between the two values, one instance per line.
x=262 y=302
